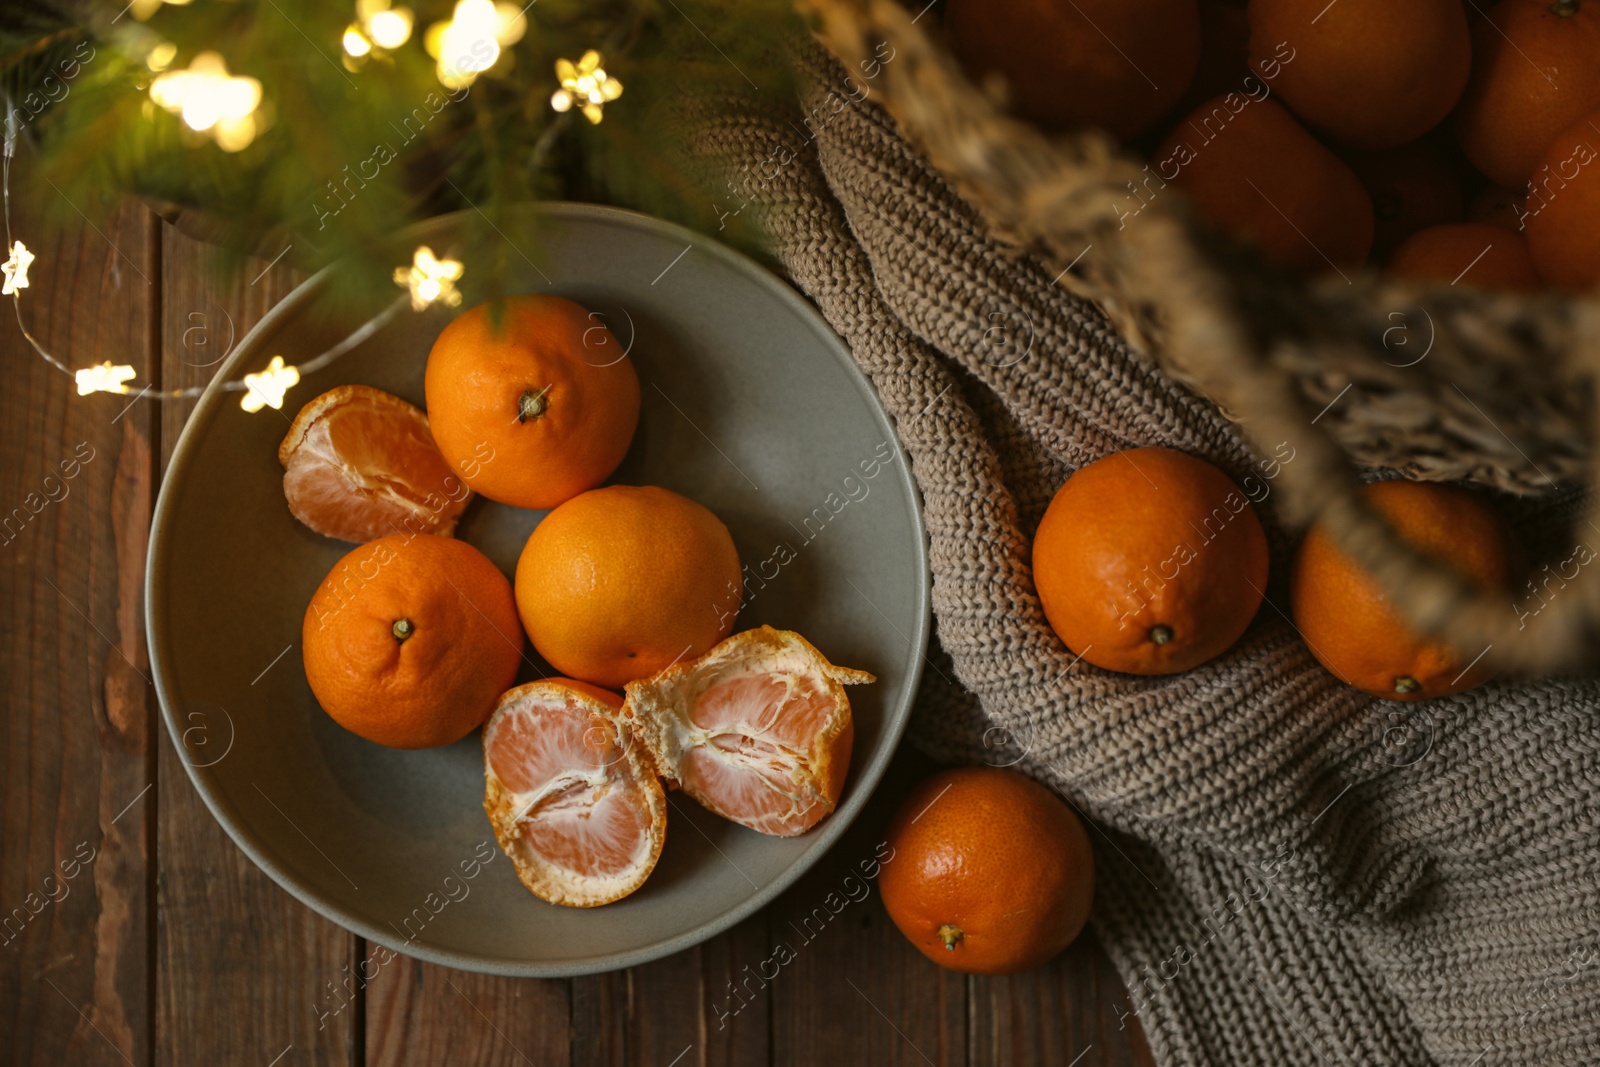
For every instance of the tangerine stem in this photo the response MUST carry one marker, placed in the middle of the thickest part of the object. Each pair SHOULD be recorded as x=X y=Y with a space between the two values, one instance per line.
x=949 y=933
x=532 y=404
x=1160 y=635
x=1406 y=684
x=402 y=629
x=1565 y=8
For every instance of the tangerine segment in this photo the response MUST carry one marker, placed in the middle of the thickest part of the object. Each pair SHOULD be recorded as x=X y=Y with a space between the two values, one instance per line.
x=359 y=463
x=573 y=799
x=757 y=730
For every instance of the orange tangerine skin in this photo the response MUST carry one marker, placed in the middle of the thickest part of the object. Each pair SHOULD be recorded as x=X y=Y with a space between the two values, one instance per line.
x=1368 y=73
x=1468 y=253
x=1115 y=64
x=1253 y=171
x=1534 y=72
x=996 y=855
x=546 y=347
x=439 y=683
x=1347 y=621
x=1562 y=212
x=1148 y=538
x=620 y=582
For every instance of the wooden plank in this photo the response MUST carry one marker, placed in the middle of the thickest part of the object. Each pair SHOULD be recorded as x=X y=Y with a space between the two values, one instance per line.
x=76 y=485
x=853 y=989
x=681 y=1010
x=599 y=1020
x=1073 y=1012
x=245 y=973
x=422 y=1013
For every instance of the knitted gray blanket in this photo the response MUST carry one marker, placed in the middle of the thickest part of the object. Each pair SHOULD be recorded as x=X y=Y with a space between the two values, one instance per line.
x=1289 y=872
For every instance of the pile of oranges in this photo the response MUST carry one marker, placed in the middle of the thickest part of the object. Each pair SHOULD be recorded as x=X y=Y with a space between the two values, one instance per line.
x=415 y=639
x=1151 y=561
x=1446 y=139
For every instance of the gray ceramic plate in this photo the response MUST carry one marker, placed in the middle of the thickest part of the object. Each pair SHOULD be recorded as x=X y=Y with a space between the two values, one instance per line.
x=752 y=406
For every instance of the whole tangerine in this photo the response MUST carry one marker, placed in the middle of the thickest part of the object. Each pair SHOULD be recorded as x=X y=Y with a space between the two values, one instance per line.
x=990 y=873
x=1150 y=561
x=1368 y=73
x=1468 y=253
x=532 y=399
x=1348 y=622
x=1252 y=170
x=1535 y=71
x=1114 y=64
x=411 y=639
x=1562 y=211
x=621 y=582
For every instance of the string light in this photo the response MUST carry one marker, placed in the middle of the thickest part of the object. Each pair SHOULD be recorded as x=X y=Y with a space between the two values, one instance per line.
x=267 y=388
x=16 y=269
x=103 y=378
x=469 y=42
x=211 y=100
x=143 y=9
x=356 y=44
x=161 y=56
x=430 y=279
x=586 y=85
x=377 y=28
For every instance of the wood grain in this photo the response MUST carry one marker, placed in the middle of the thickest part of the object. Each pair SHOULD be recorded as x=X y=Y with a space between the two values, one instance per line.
x=76 y=484
x=681 y=1013
x=856 y=991
x=196 y=957
x=244 y=972
x=1073 y=1012
x=423 y=1013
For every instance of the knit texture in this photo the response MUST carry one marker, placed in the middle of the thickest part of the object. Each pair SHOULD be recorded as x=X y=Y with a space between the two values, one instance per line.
x=1289 y=872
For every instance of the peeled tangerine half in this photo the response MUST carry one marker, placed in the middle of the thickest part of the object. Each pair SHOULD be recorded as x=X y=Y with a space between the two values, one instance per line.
x=359 y=463
x=573 y=799
x=757 y=730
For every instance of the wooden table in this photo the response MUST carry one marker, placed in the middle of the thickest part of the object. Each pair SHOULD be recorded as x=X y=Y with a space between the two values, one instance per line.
x=169 y=947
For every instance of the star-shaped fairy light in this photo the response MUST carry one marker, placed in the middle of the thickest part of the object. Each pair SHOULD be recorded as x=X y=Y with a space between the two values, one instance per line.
x=211 y=100
x=430 y=279
x=16 y=269
x=103 y=378
x=587 y=85
x=469 y=42
x=267 y=388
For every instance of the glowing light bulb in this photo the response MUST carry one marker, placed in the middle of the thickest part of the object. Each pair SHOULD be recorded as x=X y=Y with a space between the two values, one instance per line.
x=161 y=56
x=355 y=42
x=210 y=100
x=16 y=269
x=390 y=28
x=430 y=279
x=267 y=388
x=585 y=85
x=104 y=378
x=469 y=42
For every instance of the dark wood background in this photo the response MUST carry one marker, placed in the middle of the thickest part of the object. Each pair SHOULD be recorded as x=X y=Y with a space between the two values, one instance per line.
x=171 y=948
